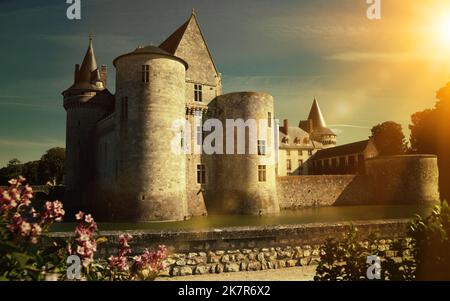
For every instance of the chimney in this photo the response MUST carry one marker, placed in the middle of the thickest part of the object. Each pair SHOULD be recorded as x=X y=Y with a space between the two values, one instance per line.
x=77 y=69
x=103 y=74
x=285 y=126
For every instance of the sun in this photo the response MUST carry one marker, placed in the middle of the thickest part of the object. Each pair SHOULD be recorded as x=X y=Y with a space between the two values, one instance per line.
x=443 y=28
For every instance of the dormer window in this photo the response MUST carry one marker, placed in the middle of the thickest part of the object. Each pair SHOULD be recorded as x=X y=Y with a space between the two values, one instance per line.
x=285 y=140
x=297 y=140
x=198 y=93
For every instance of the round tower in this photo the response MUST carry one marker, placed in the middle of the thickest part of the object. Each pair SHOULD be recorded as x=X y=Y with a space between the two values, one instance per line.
x=150 y=96
x=246 y=181
x=86 y=102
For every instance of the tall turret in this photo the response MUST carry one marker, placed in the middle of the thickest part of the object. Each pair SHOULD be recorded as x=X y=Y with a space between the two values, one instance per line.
x=150 y=96
x=317 y=127
x=86 y=102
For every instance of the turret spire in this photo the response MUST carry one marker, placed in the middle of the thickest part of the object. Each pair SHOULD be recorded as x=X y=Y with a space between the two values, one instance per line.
x=316 y=116
x=89 y=64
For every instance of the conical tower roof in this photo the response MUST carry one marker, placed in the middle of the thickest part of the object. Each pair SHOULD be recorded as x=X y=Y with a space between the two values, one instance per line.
x=316 y=116
x=87 y=76
x=88 y=66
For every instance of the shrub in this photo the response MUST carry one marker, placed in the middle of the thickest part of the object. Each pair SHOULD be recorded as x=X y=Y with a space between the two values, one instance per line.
x=425 y=255
x=431 y=237
x=27 y=254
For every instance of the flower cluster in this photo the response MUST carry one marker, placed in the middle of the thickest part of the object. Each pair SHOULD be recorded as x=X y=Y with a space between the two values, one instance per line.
x=20 y=217
x=151 y=261
x=53 y=212
x=86 y=244
x=120 y=261
x=15 y=197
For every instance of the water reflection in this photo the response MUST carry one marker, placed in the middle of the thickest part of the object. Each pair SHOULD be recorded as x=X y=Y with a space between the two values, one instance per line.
x=300 y=216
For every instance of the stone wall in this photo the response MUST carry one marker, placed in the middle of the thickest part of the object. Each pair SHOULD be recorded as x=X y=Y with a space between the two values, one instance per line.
x=388 y=180
x=404 y=179
x=325 y=190
x=247 y=248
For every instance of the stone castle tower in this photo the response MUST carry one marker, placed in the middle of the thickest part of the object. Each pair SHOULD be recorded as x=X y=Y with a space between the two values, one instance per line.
x=86 y=101
x=120 y=164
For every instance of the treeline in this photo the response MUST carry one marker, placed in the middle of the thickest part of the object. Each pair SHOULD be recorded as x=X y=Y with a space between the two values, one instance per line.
x=430 y=134
x=50 y=168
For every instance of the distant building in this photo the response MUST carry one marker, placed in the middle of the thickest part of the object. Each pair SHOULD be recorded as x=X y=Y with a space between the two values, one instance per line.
x=298 y=144
x=315 y=126
x=344 y=159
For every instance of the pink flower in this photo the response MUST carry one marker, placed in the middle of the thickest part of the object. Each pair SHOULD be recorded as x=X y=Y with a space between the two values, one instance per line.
x=88 y=219
x=151 y=260
x=79 y=215
x=86 y=244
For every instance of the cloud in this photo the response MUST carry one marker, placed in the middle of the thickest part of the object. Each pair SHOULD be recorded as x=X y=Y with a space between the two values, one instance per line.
x=350 y=126
x=29 y=143
x=373 y=56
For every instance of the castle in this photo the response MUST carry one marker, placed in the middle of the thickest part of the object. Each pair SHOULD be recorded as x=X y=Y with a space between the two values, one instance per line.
x=119 y=161
x=121 y=143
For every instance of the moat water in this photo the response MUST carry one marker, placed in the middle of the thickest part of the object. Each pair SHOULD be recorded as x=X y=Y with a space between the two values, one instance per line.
x=300 y=216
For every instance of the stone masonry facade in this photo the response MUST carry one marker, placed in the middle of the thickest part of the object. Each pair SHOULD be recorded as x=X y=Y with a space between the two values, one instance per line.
x=120 y=163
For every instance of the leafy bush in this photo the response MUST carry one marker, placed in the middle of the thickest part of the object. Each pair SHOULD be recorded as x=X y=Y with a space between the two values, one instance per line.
x=431 y=237
x=346 y=259
x=27 y=254
x=425 y=255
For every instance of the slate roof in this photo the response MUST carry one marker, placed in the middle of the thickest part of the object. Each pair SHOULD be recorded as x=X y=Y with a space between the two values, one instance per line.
x=297 y=138
x=150 y=50
x=342 y=150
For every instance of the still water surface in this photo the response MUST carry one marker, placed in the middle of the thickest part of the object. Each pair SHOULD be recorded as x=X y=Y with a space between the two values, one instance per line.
x=300 y=216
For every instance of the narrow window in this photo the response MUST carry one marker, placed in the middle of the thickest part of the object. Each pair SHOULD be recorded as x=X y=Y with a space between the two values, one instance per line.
x=310 y=152
x=198 y=94
x=299 y=153
x=288 y=152
x=261 y=173
x=300 y=164
x=261 y=147
x=182 y=139
x=288 y=165
x=201 y=174
x=145 y=73
x=269 y=119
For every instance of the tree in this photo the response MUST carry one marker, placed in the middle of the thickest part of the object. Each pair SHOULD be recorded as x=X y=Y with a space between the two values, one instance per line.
x=430 y=133
x=51 y=166
x=423 y=132
x=30 y=171
x=389 y=138
x=12 y=170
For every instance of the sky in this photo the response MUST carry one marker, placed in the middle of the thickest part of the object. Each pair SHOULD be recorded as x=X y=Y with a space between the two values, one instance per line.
x=362 y=72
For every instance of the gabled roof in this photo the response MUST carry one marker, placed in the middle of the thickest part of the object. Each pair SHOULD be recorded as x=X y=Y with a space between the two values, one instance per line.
x=173 y=41
x=342 y=150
